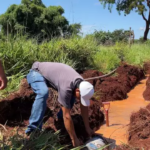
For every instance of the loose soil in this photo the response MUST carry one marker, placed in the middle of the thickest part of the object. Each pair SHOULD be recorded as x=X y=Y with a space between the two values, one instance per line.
x=15 y=109
x=146 y=93
x=146 y=67
x=116 y=87
x=139 y=129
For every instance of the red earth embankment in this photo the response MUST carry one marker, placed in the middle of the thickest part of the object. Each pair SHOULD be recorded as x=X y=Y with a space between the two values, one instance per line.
x=146 y=93
x=115 y=87
x=139 y=129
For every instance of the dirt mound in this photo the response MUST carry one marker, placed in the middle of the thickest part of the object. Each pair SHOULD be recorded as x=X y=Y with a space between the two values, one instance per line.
x=116 y=87
x=17 y=106
x=146 y=93
x=146 y=67
x=90 y=74
x=15 y=111
x=139 y=129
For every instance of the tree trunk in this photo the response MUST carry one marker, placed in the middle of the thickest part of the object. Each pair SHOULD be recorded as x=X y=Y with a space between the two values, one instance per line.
x=147 y=28
x=146 y=31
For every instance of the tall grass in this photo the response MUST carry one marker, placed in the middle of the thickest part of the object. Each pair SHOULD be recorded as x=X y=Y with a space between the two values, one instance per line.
x=138 y=54
x=105 y=59
x=110 y=57
x=43 y=141
x=18 y=55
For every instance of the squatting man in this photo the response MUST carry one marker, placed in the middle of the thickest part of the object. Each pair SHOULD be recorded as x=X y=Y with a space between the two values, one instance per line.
x=69 y=84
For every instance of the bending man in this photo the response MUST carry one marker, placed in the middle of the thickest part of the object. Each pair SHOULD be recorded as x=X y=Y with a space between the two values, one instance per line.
x=69 y=84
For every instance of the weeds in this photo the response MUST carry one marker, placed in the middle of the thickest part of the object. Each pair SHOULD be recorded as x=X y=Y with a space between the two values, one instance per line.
x=44 y=141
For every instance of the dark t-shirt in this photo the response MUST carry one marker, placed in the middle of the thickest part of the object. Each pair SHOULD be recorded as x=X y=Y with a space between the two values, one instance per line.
x=61 y=77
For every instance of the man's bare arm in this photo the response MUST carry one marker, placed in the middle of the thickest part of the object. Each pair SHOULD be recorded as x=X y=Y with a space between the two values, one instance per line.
x=70 y=126
x=85 y=116
x=3 y=78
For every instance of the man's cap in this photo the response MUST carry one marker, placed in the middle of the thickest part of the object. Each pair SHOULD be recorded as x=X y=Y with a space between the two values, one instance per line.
x=86 y=92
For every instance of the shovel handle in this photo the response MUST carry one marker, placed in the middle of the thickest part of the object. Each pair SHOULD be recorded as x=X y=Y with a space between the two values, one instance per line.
x=107 y=118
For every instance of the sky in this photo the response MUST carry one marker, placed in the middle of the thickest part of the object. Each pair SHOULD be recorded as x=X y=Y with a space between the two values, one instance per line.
x=92 y=16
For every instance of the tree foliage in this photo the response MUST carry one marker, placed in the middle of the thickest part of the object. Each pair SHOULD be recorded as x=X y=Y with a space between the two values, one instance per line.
x=139 y=6
x=32 y=17
x=110 y=38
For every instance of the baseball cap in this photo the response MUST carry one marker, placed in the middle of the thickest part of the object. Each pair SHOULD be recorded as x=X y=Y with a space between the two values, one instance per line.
x=86 y=92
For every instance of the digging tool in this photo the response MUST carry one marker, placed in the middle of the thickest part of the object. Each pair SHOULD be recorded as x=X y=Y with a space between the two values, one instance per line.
x=106 y=106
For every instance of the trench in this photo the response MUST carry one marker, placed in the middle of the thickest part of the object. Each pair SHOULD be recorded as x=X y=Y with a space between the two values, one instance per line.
x=119 y=115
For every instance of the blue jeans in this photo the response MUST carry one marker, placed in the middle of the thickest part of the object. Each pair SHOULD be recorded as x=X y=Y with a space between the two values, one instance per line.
x=38 y=84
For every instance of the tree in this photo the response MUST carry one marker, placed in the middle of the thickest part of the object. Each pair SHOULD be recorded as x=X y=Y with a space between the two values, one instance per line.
x=120 y=35
x=140 y=6
x=109 y=38
x=102 y=37
x=32 y=17
x=72 y=29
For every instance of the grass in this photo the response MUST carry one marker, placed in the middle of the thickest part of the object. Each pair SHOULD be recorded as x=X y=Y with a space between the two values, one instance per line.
x=110 y=57
x=138 y=54
x=19 y=53
x=43 y=141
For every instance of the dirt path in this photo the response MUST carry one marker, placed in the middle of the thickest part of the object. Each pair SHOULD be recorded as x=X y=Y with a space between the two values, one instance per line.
x=120 y=112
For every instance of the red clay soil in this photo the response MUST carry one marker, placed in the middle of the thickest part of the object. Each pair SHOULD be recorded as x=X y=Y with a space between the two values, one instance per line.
x=146 y=93
x=139 y=129
x=146 y=67
x=16 y=108
x=116 y=87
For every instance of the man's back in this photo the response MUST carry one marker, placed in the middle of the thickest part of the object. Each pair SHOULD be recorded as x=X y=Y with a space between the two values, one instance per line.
x=57 y=74
x=61 y=76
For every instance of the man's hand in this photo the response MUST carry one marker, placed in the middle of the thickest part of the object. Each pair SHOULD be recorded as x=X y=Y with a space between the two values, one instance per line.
x=76 y=142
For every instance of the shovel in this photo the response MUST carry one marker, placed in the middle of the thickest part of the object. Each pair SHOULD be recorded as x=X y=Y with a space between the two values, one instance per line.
x=106 y=106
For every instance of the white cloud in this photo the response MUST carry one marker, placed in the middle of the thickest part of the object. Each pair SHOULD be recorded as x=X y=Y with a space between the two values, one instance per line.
x=88 y=28
x=142 y=28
